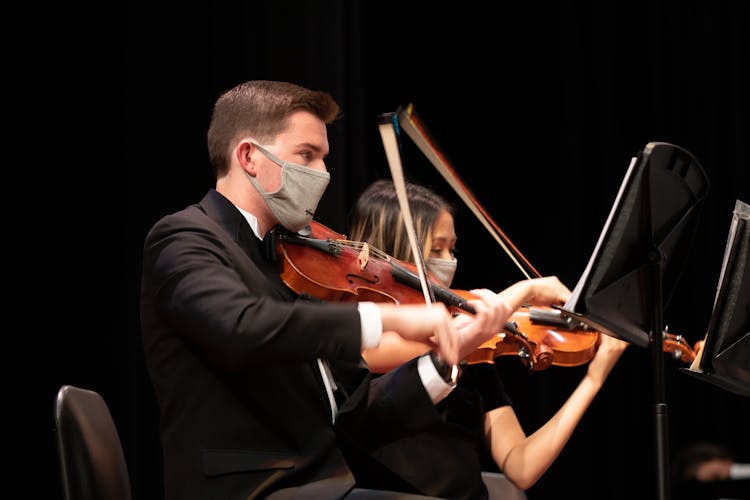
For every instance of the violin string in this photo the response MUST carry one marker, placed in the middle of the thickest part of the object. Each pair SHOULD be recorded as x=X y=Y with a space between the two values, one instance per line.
x=358 y=245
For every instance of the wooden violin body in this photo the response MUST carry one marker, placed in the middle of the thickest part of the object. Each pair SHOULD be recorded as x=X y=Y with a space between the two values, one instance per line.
x=325 y=265
x=543 y=344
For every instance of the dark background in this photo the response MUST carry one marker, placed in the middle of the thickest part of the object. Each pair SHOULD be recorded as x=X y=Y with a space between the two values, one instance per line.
x=538 y=107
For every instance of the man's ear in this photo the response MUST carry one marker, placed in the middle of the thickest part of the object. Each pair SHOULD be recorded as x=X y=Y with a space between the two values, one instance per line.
x=244 y=153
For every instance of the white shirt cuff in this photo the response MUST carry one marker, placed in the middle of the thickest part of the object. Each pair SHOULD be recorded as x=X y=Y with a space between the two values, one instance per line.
x=372 y=324
x=739 y=471
x=436 y=387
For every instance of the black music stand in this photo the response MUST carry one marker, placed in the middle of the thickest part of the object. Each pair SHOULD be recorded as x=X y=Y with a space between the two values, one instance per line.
x=637 y=262
x=724 y=359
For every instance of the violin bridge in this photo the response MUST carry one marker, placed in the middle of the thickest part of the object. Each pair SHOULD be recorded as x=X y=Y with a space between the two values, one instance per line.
x=364 y=256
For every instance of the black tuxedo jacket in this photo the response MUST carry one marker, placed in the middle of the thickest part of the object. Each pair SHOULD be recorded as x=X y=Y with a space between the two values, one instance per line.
x=232 y=354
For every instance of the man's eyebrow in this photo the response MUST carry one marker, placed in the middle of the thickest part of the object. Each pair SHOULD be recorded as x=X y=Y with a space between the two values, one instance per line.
x=315 y=148
x=307 y=145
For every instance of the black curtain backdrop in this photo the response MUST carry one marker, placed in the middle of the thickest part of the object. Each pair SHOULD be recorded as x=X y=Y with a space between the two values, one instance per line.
x=539 y=108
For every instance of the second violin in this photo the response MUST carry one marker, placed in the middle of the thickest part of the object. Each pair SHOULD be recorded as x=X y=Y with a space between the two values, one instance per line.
x=548 y=340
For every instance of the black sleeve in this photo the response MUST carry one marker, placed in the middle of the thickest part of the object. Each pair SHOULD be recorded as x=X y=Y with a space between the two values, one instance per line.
x=486 y=379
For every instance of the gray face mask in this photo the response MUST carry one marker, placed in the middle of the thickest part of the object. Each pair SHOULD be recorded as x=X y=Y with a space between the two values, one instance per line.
x=443 y=269
x=295 y=202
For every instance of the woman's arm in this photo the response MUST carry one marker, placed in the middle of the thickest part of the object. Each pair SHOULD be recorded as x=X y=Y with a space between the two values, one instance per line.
x=524 y=459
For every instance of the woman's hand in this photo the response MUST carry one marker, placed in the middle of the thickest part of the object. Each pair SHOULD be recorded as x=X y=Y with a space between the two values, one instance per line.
x=546 y=291
x=607 y=353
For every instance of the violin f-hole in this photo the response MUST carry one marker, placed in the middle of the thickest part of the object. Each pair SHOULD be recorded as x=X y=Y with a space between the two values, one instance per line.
x=372 y=279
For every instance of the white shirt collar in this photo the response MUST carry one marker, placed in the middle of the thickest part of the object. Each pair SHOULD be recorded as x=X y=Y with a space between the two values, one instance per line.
x=252 y=220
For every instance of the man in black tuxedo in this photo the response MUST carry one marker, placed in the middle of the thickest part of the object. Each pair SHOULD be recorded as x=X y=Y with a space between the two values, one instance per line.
x=243 y=368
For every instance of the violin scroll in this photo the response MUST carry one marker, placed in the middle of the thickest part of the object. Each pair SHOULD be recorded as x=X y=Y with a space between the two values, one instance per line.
x=679 y=347
x=535 y=356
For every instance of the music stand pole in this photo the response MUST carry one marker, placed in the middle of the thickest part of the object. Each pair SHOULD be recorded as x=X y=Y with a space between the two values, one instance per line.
x=661 y=416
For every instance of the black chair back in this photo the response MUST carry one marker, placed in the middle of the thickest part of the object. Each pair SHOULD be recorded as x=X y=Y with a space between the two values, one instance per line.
x=91 y=457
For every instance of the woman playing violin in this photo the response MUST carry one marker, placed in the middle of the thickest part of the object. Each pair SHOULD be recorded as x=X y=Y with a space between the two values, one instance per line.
x=478 y=415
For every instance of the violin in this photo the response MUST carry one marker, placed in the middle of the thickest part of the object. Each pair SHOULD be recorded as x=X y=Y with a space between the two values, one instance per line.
x=550 y=342
x=322 y=263
x=559 y=342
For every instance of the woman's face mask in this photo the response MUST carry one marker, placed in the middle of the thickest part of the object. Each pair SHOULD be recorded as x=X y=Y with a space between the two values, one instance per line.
x=443 y=269
x=295 y=202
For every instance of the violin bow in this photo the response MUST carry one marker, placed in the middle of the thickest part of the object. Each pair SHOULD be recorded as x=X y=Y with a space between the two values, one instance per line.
x=388 y=126
x=413 y=126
